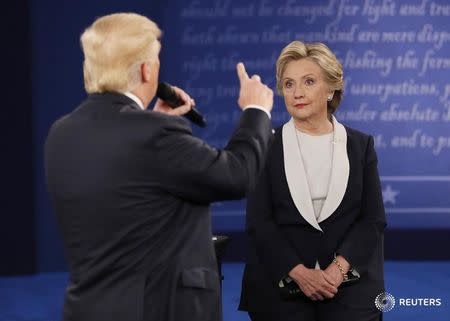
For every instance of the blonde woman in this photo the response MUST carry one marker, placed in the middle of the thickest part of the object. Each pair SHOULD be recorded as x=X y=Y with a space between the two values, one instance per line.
x=316 y=216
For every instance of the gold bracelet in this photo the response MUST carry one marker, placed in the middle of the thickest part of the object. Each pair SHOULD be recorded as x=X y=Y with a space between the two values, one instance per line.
x=344 y=275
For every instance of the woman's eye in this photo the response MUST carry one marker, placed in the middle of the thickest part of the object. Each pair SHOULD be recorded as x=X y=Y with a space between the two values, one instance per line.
x=288 y=84
x=309 y=81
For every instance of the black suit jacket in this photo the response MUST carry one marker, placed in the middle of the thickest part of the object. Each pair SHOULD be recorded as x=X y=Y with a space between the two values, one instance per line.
x=281 y=238
x=131 y=190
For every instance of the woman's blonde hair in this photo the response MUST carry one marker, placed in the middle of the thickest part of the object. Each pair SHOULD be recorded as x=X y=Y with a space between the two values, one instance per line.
x=114 y=47
x=324 y=57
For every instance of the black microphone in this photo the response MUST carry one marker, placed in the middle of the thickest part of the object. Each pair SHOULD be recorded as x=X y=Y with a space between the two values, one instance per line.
x=166 y=93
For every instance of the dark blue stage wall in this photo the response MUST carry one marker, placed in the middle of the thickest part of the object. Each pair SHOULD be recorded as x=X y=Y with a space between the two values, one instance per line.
x=396 y=58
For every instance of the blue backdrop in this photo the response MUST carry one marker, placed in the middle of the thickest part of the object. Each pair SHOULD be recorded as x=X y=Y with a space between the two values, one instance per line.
x=396 y=58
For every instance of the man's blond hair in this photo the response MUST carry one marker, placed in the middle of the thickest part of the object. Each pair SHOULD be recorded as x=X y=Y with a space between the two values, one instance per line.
x=115 y=46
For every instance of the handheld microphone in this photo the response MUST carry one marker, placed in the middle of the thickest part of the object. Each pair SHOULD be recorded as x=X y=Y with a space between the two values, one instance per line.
x=165 y=92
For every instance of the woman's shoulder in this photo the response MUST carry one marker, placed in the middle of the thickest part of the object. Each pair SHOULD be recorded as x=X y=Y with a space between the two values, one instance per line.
x=276 y=146
x=277 y=135
x=359 y=140
x=356 y=134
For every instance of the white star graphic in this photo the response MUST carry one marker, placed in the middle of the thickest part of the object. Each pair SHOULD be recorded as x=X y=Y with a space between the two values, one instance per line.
x=389 y=195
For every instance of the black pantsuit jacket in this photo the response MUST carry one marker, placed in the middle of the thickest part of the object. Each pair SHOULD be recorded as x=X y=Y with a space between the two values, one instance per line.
x=284 y=231
x=131 y=190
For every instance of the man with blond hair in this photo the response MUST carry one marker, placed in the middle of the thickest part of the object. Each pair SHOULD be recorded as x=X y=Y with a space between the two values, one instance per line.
x=131 y=187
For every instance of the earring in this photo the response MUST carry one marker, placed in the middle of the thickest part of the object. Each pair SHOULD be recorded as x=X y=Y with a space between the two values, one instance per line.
x=330 y=98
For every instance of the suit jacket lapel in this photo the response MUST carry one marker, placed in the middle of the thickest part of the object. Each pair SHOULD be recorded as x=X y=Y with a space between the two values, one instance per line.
x=339 y=172
x=296 y=175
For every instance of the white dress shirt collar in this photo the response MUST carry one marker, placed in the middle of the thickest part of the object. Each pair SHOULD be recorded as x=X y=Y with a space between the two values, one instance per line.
x=135 y=98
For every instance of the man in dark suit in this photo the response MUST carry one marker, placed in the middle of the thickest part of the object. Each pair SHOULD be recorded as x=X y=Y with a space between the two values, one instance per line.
x=132 y=187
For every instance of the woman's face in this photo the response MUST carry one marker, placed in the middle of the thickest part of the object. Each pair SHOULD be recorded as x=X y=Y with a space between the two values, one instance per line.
x=305 y=90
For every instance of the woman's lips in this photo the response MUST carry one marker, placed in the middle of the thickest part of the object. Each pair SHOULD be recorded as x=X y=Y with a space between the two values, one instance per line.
x=300 y=106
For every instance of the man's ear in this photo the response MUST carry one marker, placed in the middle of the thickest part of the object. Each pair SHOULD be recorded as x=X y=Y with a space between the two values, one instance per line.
x=146 y=72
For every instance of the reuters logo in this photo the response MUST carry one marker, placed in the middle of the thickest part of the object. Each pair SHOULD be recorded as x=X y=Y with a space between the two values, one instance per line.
x=385 y=302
